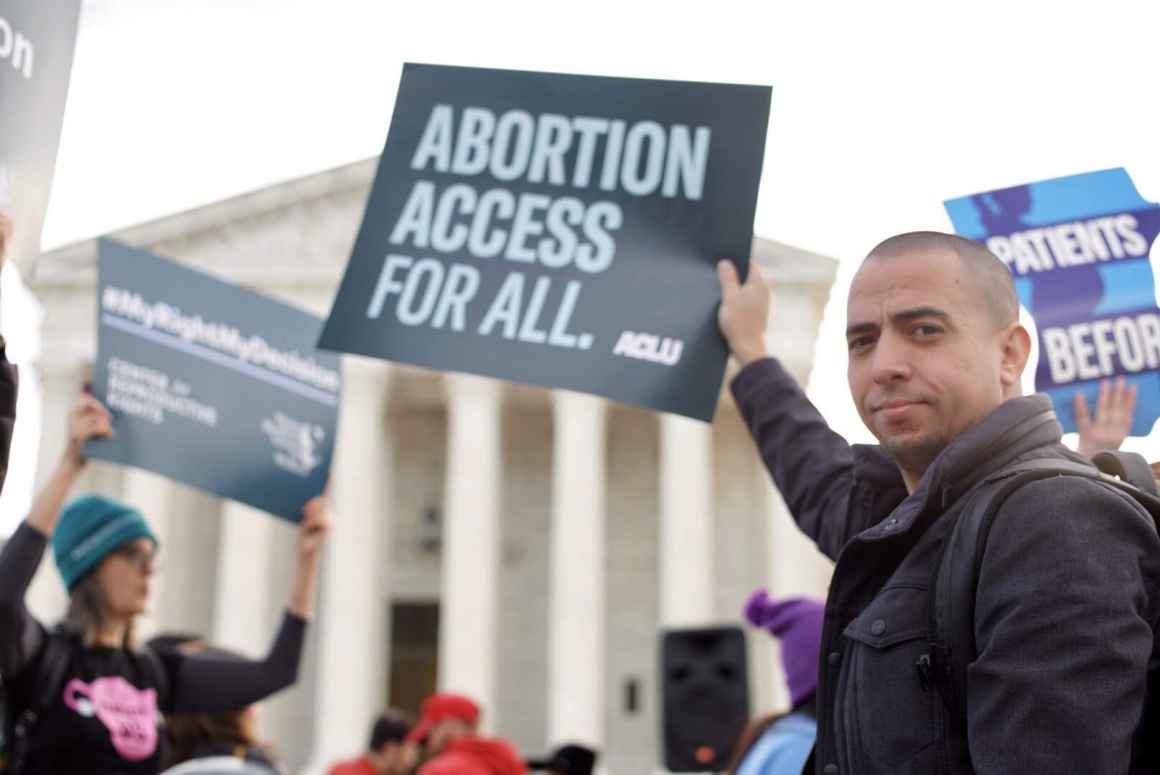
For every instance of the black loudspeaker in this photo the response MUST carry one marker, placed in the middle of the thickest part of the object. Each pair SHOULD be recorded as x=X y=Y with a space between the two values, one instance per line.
x=705 y=697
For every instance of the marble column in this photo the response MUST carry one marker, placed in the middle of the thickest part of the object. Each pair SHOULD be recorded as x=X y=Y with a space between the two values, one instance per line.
x=576 y=625
x=771 y=693
x=794 y=568
x=151 y=494
x=244 y=599
x=471 y=541
x=352 y=650
x=686 y=524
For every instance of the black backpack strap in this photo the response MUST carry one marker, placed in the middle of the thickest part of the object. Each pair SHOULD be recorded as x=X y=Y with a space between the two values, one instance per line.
x=955 y=579
x=51 y=670
x=44 y=686
x=952 y=596
x=1128 y=466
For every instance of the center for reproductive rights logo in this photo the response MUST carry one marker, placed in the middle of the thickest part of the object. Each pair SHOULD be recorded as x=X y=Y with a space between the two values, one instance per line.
x=296 y=443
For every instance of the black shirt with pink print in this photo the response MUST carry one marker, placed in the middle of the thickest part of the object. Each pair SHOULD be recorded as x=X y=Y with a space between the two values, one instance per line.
x=105 y=717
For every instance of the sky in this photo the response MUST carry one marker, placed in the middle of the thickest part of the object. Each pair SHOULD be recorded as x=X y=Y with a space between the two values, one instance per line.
x=880 y=110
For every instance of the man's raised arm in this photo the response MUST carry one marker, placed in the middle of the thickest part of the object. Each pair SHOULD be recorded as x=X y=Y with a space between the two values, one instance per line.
x=818 y=473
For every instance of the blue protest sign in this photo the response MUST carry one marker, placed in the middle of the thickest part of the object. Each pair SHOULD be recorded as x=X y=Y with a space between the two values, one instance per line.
x=37 y=39
x=212 y=385
x=1078 y=249
x=557 y=230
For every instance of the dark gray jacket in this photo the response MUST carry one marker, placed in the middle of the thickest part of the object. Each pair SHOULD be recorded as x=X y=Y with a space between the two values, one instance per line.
x=1066 y=614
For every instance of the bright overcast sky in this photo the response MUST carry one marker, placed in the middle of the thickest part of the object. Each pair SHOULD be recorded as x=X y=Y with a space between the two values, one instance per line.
x=880 y=110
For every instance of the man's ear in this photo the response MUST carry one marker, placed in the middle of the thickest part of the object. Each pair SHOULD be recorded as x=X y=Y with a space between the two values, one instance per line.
x=1016 y=344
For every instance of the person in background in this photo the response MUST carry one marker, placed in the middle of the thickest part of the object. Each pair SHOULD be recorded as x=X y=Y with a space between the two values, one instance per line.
x=88 y=698
x=566 y=760
x=448 y=729
x=1115 y=410
x=9 y=381
x=207 y=743
x=780 y=744
x=388 y=752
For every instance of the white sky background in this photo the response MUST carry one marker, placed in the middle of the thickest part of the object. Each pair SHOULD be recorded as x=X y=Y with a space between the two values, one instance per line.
x=880 y=110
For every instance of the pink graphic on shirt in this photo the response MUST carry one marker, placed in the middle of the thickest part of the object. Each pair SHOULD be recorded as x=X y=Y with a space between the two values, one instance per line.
x=129 y=713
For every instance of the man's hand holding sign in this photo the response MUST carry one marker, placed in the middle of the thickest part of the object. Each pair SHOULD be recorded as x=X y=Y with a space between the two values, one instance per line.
x=743 y=313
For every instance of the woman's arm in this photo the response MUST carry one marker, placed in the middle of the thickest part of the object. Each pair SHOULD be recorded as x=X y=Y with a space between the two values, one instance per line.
x=89 y=419
x=206 y=683
x=311 y=538
x=20 y=634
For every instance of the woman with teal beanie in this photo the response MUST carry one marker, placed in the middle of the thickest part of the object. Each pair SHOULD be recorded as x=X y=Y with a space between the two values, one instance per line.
x=84 y=699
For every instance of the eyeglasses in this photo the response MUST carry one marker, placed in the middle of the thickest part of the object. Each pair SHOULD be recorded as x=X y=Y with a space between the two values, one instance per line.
x=143 y=558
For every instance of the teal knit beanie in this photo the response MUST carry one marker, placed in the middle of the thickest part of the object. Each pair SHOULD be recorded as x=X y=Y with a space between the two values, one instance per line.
x=89 y=529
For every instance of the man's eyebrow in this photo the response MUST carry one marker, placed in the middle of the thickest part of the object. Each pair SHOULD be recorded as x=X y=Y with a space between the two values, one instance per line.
x=861 y=328
x=903 y=316
x=917 y=313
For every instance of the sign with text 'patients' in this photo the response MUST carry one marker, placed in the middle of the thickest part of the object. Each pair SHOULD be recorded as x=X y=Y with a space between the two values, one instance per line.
x=213 y=385
x=37 y=39
x=557 y=230
x=1078 y=248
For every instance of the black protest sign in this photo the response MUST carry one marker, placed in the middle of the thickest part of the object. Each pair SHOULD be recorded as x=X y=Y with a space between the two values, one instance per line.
x=213 y=385
x=37 y=39
x=557 y=230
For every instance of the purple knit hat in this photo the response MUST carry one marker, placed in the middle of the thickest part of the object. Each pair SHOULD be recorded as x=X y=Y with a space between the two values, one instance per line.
x=797 y=624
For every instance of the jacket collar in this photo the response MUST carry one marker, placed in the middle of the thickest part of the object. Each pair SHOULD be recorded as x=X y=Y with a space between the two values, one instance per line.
x=1012 y=430
x=1015 y=428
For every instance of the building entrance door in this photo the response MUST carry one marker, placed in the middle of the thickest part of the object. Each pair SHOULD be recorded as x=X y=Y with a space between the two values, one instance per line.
x=414 y=653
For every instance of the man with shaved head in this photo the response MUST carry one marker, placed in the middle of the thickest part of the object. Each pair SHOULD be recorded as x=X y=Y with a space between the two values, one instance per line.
x=1067 y=602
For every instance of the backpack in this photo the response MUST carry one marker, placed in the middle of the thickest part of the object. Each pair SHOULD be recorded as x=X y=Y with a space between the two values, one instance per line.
x=955 y=580
x=48 y=673
x=16 y=719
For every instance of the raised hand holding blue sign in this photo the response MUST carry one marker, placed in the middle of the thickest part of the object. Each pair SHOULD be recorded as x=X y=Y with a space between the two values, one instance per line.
x=1078 y=248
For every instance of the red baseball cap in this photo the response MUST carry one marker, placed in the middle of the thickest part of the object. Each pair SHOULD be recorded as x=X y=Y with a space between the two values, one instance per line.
x=443 y=707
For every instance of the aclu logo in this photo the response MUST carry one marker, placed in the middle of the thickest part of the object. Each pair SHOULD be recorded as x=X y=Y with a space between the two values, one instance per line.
x=649 y=347
x=295 y=443
x=16 y=48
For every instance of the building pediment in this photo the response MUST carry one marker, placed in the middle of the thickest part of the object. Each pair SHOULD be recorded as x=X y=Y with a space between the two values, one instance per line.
x=293 y=234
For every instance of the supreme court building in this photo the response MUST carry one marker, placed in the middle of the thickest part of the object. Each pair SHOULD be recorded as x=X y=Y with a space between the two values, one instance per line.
x=519 y=545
